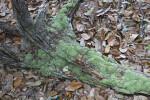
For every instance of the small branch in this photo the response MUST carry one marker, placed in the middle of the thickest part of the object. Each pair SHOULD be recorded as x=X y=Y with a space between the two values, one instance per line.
x=145 y=44
x=8 y=57
x=37 y=35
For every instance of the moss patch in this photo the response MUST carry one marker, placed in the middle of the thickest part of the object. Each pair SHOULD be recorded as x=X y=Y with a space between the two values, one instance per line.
x=61 y=20
x=120 y=79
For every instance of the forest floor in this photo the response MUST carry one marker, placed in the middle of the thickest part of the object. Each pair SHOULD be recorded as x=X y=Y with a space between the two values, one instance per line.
x=119 y=30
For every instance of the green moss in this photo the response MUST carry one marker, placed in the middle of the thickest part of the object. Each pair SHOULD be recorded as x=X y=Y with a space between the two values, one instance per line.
x=46 y=70
x=76 y=70
x=120 y=79
x=84 y=78
x=71 y=35
x=28 y=57
x=50 y=29
x=60 y=20
x=109 y=59
x=60 y=62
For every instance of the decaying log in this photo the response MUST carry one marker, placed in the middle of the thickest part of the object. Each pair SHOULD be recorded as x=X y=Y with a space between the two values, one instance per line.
x=63 y=57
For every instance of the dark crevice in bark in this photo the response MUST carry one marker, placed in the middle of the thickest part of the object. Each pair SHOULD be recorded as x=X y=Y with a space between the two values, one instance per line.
x=9 y=30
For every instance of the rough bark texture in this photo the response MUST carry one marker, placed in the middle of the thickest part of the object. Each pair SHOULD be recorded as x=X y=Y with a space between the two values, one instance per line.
x=61 y=49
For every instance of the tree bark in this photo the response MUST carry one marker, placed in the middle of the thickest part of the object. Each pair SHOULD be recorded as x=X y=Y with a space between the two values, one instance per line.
x=58 y=54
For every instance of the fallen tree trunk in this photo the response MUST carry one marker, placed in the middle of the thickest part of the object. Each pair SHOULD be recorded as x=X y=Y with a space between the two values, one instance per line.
x=58 y=54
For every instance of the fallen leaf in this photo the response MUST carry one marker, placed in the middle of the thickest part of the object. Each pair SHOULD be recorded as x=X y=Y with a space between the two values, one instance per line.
x=83 y=98
x=140 y=97
x=105 y=11
x=85 y=36
x=107 y=49
x=99 y=97
x=74 y=86
x=67 y=94
x=92 y=93
x=128 y=13
x=123 y=48
x=82 y=43
x=133 y=37
x=89 y=12
x=111 y=18
x=9 y=5
x=37 y=83
x=119 y=26
x=17 y=82
x=132 y=50
x=111 y=40
x=80 y=27
x=115 y=52
x=53 y=93
x=9 y=82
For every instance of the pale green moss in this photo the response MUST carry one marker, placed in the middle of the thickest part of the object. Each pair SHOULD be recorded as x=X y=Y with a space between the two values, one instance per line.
x=60 y=62
x=50 y=29
x=120 y=79
x=60 y=20
x=77 y=70
x=71 y=35
x=84 y=77
x=28 y=56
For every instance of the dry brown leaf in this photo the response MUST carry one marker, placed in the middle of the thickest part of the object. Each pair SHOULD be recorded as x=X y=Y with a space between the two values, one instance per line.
x=82 y=42
x=108 y=1
x=111 y=40
x=2 y=14
x=132 y=50
x=92 y=93
x=135 y=16
x=107 y=49
x=83 y=98
x=80 y=27
x=9 y=82
x=17 y=82
x=123 y=48
x=37 y=83
x=119 y=26
x=67 y=94
x=2 y=93
x=89 y=12
x=53 y=93
x=60 y=97
x=128 y=13
x=9 y=5
x=99 y=98
x=85 y=36
x=74 y=86
x=111 y=18
x=147 y=29
x=115 y=52
x=105 y=11
x=133 y=37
